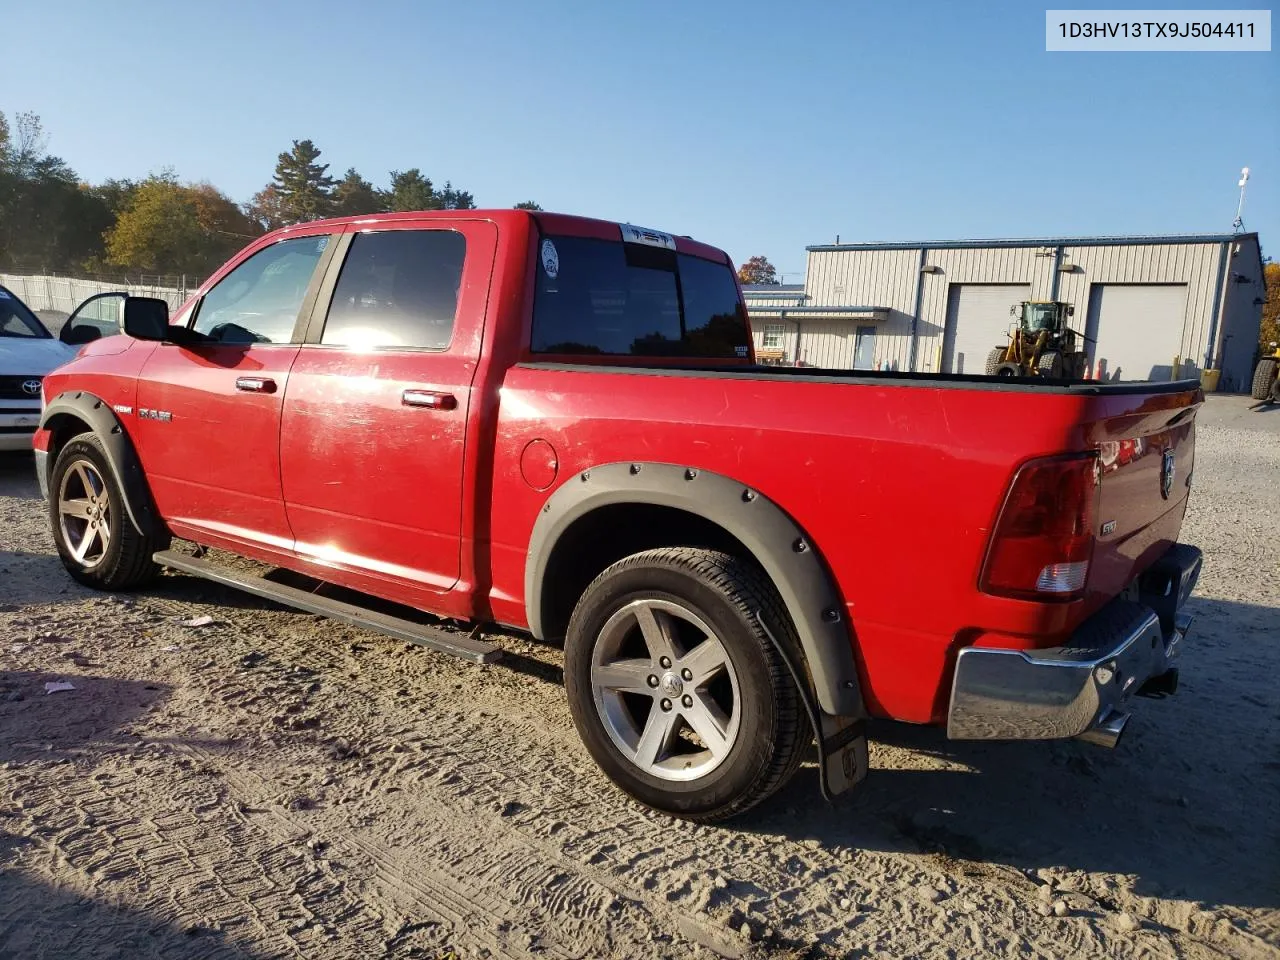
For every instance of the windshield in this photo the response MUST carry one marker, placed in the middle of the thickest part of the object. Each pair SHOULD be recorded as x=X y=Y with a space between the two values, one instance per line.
x=17 y=321
x=1039 y=316
x=609 y=298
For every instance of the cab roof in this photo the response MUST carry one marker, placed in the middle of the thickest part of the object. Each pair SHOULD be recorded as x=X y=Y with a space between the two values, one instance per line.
x=547 y=223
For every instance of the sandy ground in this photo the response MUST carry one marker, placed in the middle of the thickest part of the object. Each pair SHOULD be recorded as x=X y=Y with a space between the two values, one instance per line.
x=275 y=785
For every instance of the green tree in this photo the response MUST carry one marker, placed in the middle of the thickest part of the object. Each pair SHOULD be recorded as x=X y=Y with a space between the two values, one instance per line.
x=451 y=198
x=410 y=190
x=526 y=205
x=172 y=228
x=266 y=209
x=304 y=188
x=115 y=194
x=758 y=270
x=355 y=196
x=48 y=219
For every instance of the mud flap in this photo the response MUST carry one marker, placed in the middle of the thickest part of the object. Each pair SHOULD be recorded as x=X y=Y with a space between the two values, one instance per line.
x=842 y=741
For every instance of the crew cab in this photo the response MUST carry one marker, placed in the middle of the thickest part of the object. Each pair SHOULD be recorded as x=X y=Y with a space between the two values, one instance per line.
x=556 y=425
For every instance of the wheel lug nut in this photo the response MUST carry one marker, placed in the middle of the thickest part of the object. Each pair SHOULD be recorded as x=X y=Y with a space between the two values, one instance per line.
x=652 y=681
x=687 y=701
x=687 y=673
x=666 y=662
x=666 y=704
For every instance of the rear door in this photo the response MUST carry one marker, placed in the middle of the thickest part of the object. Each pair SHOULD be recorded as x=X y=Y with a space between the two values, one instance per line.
x=208 y=414
x=374 y=429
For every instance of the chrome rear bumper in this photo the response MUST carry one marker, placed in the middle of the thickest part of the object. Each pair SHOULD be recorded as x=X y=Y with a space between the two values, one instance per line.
x=1081 y=689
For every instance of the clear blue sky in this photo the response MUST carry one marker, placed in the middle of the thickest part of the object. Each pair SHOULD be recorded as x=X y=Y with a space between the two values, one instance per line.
x=754 y=126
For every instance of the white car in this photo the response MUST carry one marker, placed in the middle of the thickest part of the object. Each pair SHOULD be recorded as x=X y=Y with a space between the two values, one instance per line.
x=27 y=352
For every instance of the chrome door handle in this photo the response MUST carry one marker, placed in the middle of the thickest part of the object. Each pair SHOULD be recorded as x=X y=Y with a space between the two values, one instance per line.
x=256 y=384
x=429 y=398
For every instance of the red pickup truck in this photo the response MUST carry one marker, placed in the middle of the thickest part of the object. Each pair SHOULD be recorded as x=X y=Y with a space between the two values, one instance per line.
x=556 y=425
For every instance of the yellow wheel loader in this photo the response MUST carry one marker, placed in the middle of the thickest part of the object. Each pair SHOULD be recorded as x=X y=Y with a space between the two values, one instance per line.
x=1041 y=344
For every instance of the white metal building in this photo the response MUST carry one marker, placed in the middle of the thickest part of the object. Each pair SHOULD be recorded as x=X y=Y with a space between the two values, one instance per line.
x=1152 y=306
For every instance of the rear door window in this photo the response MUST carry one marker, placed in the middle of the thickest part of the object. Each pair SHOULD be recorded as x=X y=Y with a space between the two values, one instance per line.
x=609 y=298
x=398 y=288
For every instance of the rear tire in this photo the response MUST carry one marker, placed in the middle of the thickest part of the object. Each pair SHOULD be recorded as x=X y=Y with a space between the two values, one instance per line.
x=1264 y=377
x=994 y=359
x=1008 y=370
x=96 y=541
x=642 y=718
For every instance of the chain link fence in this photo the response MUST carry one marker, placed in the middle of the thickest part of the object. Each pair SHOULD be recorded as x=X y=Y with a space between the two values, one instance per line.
x=48 y=293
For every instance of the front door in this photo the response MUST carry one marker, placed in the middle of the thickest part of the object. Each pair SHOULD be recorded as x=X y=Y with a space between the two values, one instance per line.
x=208 y=412
x=864 y=350
x=375 y=417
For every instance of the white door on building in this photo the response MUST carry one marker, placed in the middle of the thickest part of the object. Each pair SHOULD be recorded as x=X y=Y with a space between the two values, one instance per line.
x=1138 y=328
x=978 y=321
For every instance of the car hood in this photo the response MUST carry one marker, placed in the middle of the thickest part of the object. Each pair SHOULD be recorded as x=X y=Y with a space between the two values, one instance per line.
x=28 y=356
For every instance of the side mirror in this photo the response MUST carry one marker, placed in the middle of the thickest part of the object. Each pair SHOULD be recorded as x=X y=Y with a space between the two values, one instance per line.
x=76 y=334
x=146 y=318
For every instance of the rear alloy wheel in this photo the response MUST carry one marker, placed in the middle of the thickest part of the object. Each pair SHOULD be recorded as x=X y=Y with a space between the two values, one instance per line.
x=96 y=540
x=683 y=683
x=677 y=692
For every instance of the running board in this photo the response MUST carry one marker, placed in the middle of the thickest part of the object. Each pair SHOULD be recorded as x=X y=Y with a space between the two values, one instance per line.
x=442 y=641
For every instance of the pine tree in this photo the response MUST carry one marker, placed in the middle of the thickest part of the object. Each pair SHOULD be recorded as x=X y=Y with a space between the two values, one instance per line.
x=355 y=196
x=302 y=186
x=410 y=190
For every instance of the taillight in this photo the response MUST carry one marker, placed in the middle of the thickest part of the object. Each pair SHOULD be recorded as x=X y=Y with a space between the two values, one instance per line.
x=1043 y=541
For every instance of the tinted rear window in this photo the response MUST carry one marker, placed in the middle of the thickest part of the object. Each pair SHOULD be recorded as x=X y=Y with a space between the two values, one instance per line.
x=610 y=298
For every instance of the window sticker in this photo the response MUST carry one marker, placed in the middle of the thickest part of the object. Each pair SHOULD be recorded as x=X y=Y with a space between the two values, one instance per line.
x=550 y=259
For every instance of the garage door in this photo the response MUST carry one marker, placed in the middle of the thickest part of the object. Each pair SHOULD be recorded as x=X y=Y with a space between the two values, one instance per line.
x=1138 y=328
x=977 y=321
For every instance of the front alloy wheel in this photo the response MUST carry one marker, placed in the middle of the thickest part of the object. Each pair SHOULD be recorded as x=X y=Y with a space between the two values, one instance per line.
x=84 y=513
x=96 y=539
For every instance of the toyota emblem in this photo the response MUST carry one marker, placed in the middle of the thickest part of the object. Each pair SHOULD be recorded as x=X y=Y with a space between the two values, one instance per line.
x=31 y=387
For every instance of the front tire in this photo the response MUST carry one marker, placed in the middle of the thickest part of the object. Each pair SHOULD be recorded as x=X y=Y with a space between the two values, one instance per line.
x=678 y=694
x=96 y=541
x=1264 y=377
x=1050 y=364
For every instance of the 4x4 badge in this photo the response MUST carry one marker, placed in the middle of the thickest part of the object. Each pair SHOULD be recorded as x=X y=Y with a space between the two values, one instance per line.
x=1167 y=470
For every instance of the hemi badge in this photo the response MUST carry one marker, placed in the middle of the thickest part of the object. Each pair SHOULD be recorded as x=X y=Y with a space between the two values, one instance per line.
x=122 y=408
x=1108 y=527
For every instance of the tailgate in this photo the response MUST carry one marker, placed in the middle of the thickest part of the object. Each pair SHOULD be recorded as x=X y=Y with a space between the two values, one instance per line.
x=1146 y=452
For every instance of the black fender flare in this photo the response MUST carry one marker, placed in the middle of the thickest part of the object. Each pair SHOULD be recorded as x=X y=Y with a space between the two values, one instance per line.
x=777 y=543
x=104 y=423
